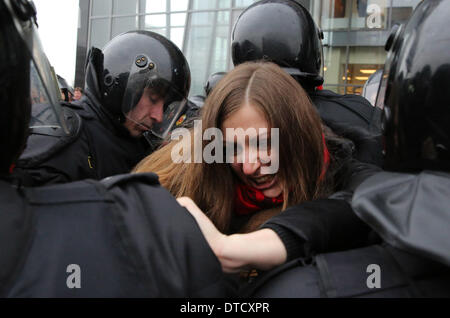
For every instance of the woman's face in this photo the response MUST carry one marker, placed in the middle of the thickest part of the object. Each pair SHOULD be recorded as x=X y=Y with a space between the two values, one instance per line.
x=248 y=169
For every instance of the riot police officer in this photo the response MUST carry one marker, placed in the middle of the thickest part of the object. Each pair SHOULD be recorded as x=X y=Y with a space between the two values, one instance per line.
x=293 y=41
x=122 y=237
x=211 y=82
x=407 y=206
x=135 y=92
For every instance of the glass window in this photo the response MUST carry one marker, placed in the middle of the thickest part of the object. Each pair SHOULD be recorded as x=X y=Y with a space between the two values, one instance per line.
x=244 y=3
x=123 y=24
x=370 y=14
x=125 y=7
x=223 y=17
x=224 y=4
x=202 y=19
x=155 y=20
x=99 y=32
x=363 y=62
x=153 y=6
x=204 y=5
x=178 y=19
x=402 y=10
x=178 y=5
x=335 y=14
x=176 y=36
x=220 y=51
x=101 y=7
x=207 y=46
x=334 y=65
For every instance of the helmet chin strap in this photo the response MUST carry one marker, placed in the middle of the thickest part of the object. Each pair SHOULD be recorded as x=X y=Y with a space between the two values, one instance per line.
x=137 y=123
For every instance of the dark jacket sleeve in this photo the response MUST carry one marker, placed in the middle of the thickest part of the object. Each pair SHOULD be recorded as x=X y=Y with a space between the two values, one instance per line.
x=319 y=226
x=165 y=240
x=325 y=225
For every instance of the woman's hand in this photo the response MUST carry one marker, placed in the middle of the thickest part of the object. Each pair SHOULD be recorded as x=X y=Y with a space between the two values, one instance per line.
x=262 y=249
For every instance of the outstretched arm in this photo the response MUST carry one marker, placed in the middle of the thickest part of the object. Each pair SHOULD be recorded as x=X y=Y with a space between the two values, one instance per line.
x=262 y=249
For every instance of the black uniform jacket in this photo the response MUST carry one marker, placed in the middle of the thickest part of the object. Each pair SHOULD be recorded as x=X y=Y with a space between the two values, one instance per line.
x=352 y=117
x=411 y=214
x=124 y=237
x=96 y=148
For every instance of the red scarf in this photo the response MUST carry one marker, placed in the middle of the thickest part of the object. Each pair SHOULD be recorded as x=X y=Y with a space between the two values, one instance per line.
x=249 y=200
x=326 y=158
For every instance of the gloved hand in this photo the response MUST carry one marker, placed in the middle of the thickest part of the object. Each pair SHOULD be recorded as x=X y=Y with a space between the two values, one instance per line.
x=369 y=146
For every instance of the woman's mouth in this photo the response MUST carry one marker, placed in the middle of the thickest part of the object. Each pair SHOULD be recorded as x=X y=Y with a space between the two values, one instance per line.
x=262 y=182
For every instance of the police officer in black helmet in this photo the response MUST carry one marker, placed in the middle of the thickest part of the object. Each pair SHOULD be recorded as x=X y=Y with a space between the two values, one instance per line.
x=122 y=237
x=135 y=91
x=407 y=205
x=211 y=82
x=293 y=41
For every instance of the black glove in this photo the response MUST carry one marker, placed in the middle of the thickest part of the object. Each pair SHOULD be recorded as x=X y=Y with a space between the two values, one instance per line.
x=369 y=146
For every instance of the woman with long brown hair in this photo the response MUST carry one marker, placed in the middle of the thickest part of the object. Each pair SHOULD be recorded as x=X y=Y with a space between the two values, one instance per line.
x=235 y=195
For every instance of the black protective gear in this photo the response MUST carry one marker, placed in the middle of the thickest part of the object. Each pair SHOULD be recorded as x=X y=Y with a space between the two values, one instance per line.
x=346 y=274
x=98 y=144
x=291 y=39
x=409 y=212
x=212 y=81
x=94 y=149
x=354 y=118
x=64 y=85
x=123 y=237
x=127 y=235
x=118 y=75
x=14 y=77
x=414 y=91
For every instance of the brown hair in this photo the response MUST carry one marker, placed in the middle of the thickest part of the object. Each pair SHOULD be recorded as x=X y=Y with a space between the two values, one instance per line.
x=287 y=107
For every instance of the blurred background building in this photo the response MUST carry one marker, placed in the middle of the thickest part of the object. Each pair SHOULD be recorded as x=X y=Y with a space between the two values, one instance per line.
x=355 y=32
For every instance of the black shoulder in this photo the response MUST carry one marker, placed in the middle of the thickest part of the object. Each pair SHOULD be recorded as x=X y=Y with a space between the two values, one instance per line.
x=40 y=147
x=80 y=108
x=352 y=108
x=330 y=95
x=144 y=178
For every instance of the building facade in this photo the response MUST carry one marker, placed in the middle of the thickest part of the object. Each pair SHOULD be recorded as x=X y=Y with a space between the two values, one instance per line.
x=355 y=32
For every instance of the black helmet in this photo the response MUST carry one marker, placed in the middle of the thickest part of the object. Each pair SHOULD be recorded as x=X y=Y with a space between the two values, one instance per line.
x=133 y=62
x=65 y=88
x=283 y=32
x=212 y=81
x=415 y=91
x=27 y=84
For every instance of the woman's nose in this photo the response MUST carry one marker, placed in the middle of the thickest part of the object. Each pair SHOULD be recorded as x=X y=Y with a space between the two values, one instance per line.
x=251 y=163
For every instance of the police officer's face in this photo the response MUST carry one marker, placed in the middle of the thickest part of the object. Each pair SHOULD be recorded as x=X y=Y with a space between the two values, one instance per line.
x=249 y=171
x=149 y=110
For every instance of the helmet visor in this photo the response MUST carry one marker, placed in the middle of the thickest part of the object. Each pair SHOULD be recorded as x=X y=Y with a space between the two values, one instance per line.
x=46 y=114
x=150 y=102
